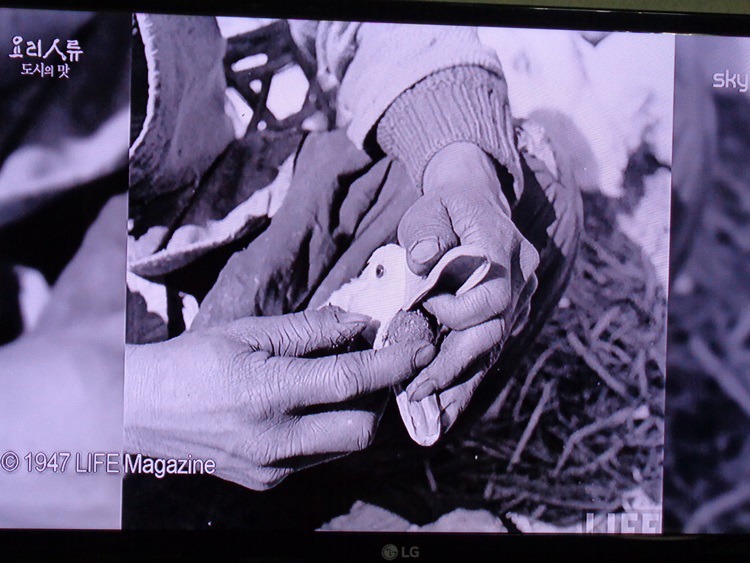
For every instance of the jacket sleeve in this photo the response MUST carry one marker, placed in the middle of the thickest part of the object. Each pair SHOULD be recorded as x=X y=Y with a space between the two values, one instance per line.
x=418 y=88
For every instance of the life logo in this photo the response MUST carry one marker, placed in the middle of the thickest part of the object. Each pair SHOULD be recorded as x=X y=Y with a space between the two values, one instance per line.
x=732 y=80
x=391 y=552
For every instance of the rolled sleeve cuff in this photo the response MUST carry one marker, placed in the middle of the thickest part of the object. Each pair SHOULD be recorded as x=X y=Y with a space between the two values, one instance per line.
x=459 y=104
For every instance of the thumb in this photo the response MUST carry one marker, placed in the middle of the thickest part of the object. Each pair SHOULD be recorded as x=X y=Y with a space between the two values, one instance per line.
x=425 y=231
x=299 y=334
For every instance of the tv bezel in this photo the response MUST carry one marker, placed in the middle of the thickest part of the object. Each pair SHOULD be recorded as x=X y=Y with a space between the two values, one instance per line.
x=330 y=546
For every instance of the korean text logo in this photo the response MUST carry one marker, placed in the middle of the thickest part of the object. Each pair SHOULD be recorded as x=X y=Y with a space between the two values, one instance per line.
x=53 y=60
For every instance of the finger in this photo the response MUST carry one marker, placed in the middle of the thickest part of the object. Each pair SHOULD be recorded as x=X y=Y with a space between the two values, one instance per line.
x=322 y=434
x=514 y=260
x=459 y=352
x=502 y=290
x=257 y=479
x=455 y=400
x=335 y=379
x=486 y=301
x=299 y=334
x=425 y=231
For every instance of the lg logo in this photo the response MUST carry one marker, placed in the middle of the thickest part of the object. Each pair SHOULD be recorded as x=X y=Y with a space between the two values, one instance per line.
x=391 y=552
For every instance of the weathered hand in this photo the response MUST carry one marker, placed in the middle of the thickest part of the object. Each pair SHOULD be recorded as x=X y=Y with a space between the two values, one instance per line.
x=244 y=395
x=463 y=203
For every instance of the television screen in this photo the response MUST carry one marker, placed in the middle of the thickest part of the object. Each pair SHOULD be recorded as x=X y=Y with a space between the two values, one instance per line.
x=374 y=270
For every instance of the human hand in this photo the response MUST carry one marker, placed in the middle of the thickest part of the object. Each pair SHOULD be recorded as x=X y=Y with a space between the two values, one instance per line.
x=463 y=203
x=244 y=395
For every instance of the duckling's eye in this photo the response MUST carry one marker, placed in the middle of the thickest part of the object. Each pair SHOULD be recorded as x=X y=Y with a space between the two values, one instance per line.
x=379 y=271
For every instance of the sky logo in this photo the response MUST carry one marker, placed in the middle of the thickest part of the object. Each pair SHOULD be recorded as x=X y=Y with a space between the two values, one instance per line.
x=732 y=80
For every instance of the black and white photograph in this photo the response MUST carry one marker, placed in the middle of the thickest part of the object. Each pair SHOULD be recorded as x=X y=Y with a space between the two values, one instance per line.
x=396 y=277
x=64 y=122
x=708 y=391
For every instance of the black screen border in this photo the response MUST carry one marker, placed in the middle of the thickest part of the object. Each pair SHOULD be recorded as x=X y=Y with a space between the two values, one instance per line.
x=363 y=547
x=422 y=11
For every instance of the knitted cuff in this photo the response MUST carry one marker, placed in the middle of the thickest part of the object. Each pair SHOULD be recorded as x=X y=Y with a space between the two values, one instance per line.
x=463 y=103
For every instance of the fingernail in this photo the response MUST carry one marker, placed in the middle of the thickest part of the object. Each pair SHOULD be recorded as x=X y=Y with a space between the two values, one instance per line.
x=424 y=250
x=427 y=306
x=422 y=390
x=424 y=355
